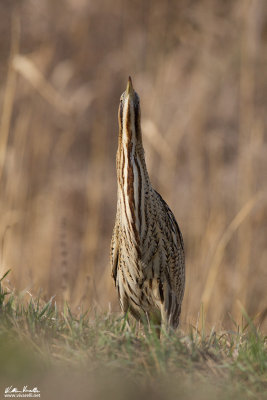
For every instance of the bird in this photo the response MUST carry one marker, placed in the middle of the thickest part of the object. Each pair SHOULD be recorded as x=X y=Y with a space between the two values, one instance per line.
x=147 y=250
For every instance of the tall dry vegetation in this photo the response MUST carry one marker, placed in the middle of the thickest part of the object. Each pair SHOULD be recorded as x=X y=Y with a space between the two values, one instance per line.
x=200 y=70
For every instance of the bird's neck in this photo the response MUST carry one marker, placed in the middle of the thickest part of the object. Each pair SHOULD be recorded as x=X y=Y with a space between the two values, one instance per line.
x=133 y=186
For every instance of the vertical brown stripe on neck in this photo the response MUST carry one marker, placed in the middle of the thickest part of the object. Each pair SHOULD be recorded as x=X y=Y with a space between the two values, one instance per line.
x=130 y=175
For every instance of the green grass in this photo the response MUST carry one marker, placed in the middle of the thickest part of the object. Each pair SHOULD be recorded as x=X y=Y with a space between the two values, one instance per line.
x=99 y=356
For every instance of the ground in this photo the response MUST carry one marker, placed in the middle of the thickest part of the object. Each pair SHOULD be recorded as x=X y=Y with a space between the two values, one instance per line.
x=100 y=356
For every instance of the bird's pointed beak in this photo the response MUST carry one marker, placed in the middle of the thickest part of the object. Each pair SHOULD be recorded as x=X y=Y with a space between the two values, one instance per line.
x=129 y=89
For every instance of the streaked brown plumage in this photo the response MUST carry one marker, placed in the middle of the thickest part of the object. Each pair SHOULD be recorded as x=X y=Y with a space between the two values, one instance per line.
x=147 y=252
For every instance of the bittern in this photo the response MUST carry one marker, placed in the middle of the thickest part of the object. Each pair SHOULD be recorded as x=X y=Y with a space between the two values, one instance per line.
x=147 y=250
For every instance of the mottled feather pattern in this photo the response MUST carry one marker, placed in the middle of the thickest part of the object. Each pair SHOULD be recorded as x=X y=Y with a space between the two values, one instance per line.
x=147 y=251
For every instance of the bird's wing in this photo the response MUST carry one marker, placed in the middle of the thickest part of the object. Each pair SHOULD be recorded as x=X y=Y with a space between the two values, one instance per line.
x=172 y=221
x=172 y=246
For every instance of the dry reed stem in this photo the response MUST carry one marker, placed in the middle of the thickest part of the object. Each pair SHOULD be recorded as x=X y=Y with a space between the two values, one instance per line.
x=219 y=252
x=24 y=66
x=9 y=90
x=247 y=119
x=158 y=142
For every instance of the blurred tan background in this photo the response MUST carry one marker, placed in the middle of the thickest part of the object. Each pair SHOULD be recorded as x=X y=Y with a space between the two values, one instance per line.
x=200 y=68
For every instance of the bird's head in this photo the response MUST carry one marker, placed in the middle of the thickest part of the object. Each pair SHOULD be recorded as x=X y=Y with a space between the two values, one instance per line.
x=129 y=115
